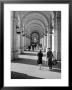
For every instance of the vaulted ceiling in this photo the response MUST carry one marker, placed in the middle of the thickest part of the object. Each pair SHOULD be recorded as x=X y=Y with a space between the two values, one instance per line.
x=37 y=21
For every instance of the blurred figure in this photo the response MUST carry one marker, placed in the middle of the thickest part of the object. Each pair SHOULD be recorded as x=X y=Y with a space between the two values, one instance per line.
x=29 y=47
x=33 y=47
x=49 y=56
x=40 y=55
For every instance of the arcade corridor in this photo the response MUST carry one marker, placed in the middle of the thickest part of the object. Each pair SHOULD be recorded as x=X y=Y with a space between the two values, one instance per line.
x=33 y=31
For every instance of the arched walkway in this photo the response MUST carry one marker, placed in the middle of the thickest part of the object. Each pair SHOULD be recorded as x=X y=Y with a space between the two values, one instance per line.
x=46 y=24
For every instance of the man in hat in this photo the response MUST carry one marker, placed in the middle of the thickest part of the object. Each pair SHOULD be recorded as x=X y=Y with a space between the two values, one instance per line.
x=49 y=56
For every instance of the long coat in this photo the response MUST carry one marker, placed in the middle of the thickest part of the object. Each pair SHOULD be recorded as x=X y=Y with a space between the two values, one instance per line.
x=49 y=56
x=40 y=55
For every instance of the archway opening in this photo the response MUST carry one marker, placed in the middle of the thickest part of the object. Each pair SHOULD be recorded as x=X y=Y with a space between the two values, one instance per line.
x=35 y=40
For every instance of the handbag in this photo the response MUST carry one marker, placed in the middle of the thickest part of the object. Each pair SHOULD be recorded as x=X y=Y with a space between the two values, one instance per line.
x=37 y=61
x=54 y=62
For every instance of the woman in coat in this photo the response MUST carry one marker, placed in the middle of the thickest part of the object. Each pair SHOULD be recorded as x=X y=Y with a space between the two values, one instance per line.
x=40 y=55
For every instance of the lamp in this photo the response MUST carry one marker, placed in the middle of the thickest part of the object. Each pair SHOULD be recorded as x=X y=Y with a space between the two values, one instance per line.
x=17 y=29
x=23 y=35
x=18 y=26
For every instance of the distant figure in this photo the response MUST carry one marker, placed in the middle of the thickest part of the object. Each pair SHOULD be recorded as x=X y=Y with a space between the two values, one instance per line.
x=29 y=47
x=33 y=47
x=49 y=56
x=40 y=55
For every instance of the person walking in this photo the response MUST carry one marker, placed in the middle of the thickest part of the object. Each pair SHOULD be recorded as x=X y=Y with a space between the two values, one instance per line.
x=33 y=47
x=29 y=47
x=40 y=55
x=49 y=56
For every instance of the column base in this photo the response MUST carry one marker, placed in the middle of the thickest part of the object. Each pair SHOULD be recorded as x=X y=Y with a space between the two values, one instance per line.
x=55 y=55
x=14 y=55
x=59 y=56
x=19 y=51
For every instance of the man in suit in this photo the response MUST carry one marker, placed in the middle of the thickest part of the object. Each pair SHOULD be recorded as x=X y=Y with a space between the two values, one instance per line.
x=49 y=56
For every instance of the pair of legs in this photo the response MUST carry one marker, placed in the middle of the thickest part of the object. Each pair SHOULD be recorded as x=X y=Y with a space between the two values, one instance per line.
x=50 y=63
x=40 y=66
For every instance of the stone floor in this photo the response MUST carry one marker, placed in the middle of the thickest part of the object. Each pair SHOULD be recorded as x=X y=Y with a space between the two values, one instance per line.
x=30 y=57
x=34 y=71
x=26 y=67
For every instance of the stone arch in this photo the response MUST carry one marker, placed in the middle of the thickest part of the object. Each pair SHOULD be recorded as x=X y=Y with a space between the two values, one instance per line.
x=36 y=20
x=38 y=34
x=41 y=18
x=36 y=23
x=37 y=12
x=37 y=28
x=44 y=20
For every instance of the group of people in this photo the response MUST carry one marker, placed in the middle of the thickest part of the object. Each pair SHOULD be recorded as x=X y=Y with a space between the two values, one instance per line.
x=32 y=46
x=49 y=58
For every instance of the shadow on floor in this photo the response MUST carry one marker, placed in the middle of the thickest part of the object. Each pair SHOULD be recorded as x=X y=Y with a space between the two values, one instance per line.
x=56 y=70
x=16 y=75
x=34 y=62
x=53 y=70
x=33 y=54
x=25 y=61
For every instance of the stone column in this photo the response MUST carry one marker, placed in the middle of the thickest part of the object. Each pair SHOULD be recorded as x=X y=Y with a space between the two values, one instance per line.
x=25 y=41
x=50 y=41
x=19 y=34
x=42 y=42
x=53 y=42
x=57 y=35
x=12 y=35
x=45 y=42
x=23 y=36
x=18 y=42
x=15 y=38
x=49 y=37
x=22 y=39
x=22 y=43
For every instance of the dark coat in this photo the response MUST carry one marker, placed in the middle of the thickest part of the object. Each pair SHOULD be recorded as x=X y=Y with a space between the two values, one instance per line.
x=40 y=55
x=29 y=47
x=49 y=56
